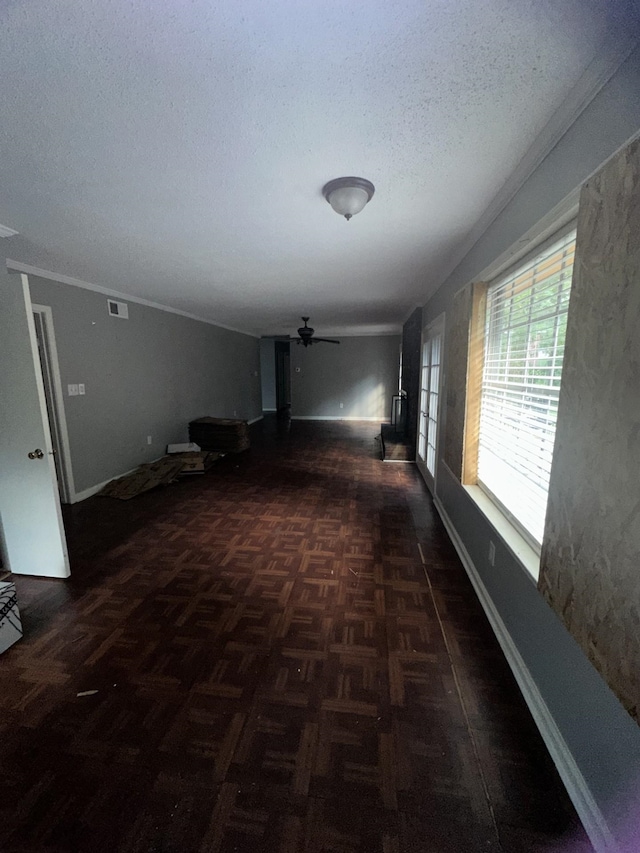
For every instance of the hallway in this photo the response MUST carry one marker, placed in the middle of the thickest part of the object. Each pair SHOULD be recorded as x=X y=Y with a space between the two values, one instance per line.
x=288 y=656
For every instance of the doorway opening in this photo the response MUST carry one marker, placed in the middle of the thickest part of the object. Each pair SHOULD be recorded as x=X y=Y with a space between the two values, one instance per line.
x=283 y=377
x=48 y=356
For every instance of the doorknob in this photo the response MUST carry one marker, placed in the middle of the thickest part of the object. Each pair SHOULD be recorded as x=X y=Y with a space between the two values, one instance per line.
x=36 y=454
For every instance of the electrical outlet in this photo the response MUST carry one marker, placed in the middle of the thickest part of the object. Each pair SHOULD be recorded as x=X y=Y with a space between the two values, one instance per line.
x=81 y=388
x=148 y=439
x=235 y=414
x=342 y=405
x=492 y=553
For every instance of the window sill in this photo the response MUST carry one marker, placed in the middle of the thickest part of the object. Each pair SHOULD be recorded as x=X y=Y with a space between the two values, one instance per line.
x=528 y=558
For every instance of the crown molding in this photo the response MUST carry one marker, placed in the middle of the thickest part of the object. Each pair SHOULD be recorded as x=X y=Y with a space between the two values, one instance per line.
x=19 y=266
x=616 y=48
x=385 y=333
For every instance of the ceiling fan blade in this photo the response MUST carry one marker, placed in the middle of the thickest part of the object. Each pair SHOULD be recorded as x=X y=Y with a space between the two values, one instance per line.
x=326 y=340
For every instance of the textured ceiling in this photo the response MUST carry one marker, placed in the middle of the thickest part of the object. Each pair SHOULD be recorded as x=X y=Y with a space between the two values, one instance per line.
x=176 y=151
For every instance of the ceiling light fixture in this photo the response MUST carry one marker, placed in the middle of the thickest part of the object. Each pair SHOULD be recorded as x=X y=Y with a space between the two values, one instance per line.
x=347 y=196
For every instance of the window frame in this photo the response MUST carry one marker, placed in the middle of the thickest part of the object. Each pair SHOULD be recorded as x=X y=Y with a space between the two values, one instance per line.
x=477 y=349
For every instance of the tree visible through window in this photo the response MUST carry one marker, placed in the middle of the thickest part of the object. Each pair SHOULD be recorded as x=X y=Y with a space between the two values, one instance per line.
x=524 y=349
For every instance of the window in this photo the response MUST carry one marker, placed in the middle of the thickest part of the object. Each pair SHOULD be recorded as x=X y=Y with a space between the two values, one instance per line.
x=526 y=318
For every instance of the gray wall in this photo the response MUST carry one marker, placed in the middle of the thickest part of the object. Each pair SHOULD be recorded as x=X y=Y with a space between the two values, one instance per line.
x=148 y=375
x=361 y=373
x=268 y=374
x=601 y=738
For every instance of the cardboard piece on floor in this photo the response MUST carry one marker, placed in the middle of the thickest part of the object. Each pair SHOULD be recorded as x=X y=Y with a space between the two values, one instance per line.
x=10 y=624
x=146 y=477
x=196 y=463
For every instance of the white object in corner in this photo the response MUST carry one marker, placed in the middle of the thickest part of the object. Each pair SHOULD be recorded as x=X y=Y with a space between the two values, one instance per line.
x=185 y=447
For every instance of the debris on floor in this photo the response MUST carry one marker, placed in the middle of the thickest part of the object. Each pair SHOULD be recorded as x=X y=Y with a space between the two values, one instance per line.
x=162 y=472
x=10 y=624
x=146 y=477
x=196 y=462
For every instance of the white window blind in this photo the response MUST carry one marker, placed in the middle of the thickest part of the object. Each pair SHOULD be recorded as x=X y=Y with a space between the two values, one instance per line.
x=524 y=349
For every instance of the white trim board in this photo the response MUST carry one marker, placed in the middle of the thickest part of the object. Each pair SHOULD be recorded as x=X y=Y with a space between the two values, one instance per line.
x=93 y=490
x=19 y=266
x=337 y=418
x=592 y=818
x=5 y=231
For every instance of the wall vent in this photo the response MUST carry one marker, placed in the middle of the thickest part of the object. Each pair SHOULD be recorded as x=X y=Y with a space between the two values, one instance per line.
x=118 y=309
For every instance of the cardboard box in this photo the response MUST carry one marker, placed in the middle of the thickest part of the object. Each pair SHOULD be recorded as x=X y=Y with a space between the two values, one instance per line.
x=10 y=624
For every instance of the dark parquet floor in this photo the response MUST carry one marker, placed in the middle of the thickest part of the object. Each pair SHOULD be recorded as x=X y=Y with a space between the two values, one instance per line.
x=288 y=656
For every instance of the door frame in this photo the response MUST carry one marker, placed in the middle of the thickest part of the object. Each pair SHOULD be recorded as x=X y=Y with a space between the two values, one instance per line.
x=430 y=330
x=53 y=382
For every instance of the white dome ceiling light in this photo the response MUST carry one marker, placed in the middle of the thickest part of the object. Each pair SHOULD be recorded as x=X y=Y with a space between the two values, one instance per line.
x=347 y=196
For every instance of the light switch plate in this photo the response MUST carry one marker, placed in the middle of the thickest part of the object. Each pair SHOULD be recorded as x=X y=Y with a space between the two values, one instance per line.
x=81 y=388
x=73 y=390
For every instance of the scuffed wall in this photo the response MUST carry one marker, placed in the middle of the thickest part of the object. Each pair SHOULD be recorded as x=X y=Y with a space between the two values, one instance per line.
x=590 y=572
x=411 y=340
x=456 y=359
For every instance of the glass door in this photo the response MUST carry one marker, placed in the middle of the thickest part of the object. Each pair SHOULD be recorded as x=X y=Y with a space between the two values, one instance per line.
x=432 y=346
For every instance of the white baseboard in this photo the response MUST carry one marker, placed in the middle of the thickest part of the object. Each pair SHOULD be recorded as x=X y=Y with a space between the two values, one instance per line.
x=337 y=418
x=255 y=420
x=592 y=818
x=93 y=490
x=269 y=410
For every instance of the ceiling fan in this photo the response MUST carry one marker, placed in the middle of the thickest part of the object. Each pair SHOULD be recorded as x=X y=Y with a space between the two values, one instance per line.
x=305 y=336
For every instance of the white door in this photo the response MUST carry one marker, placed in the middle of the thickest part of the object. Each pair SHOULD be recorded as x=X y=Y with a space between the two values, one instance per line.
x=32 y=533
x=430 y=377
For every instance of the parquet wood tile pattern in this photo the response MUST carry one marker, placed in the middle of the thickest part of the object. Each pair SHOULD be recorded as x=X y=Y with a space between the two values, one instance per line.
x=276 y=670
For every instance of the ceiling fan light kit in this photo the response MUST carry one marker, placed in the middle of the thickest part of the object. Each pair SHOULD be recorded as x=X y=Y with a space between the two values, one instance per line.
x=305 y=336
x=348 y=196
